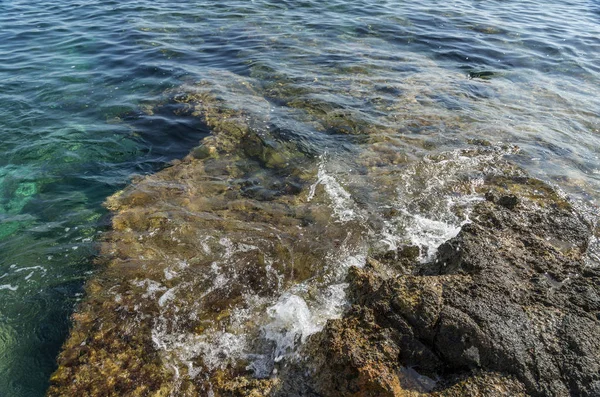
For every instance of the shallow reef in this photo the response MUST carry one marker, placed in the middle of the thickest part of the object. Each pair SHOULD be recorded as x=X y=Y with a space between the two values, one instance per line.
x=259 y=266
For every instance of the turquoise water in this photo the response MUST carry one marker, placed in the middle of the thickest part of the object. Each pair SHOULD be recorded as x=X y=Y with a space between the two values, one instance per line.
x=78 y=82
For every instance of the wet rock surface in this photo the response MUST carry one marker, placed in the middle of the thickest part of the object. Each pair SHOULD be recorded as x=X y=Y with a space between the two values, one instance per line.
x=249 y=269
x=507 y=307
x=196 y=256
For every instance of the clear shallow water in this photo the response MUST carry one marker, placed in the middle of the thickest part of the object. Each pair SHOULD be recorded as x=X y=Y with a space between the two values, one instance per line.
x=77 y=81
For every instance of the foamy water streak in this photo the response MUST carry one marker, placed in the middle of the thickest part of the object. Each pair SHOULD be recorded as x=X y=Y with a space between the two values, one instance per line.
x=264 y=332
x=342 y=203
x=434 y=198
x=260 y=330
x=286 y=323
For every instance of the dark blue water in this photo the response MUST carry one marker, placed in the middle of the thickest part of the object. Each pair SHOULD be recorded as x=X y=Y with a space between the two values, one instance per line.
x=78 y=82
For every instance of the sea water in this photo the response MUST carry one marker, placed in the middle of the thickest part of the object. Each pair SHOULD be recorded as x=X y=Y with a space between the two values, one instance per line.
x=80 y=81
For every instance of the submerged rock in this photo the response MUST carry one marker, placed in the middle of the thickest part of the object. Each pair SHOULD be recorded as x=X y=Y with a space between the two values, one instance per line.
x=227 y=274
x=197 y=255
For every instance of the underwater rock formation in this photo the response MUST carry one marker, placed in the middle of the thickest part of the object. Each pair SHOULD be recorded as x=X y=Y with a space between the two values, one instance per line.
x=197 y=255
x=249 y=269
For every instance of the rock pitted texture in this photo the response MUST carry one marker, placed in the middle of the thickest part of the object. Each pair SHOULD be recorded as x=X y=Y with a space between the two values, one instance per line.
x=508 y=307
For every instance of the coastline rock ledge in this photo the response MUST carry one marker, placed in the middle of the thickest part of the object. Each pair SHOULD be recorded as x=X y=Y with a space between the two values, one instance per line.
x=201 y=252
x=507 y=307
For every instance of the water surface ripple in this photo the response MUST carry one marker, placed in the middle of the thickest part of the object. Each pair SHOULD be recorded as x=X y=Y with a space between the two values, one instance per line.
x=78 y=80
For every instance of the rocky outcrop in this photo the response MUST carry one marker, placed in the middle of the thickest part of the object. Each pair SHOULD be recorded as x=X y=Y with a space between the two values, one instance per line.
x=202 y=254
x=507 y=307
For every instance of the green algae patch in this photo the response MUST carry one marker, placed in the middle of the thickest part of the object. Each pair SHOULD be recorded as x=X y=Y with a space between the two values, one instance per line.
x=15 y=190
x=9 y=227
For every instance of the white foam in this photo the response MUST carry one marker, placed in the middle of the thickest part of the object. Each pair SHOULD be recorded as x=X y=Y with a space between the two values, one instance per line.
x=291 y=320
x=341 y=200
x=341 y=261
x=9 y=287
x=268 y=332
x=291 y=323
x=173 y=271
x=435 y=199
x=152 y=287
x=169 y=273
x=217 y=349
x=22 y=269
x=592 y=256
x=430 y=234
x=331 y=304
x=167 y=296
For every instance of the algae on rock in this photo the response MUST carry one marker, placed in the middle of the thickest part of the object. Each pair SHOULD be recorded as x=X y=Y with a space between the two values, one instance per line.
x=225 y=273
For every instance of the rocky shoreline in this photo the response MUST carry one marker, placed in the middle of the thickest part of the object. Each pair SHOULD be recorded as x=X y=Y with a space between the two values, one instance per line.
x=200 y=251
x=506 y=308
